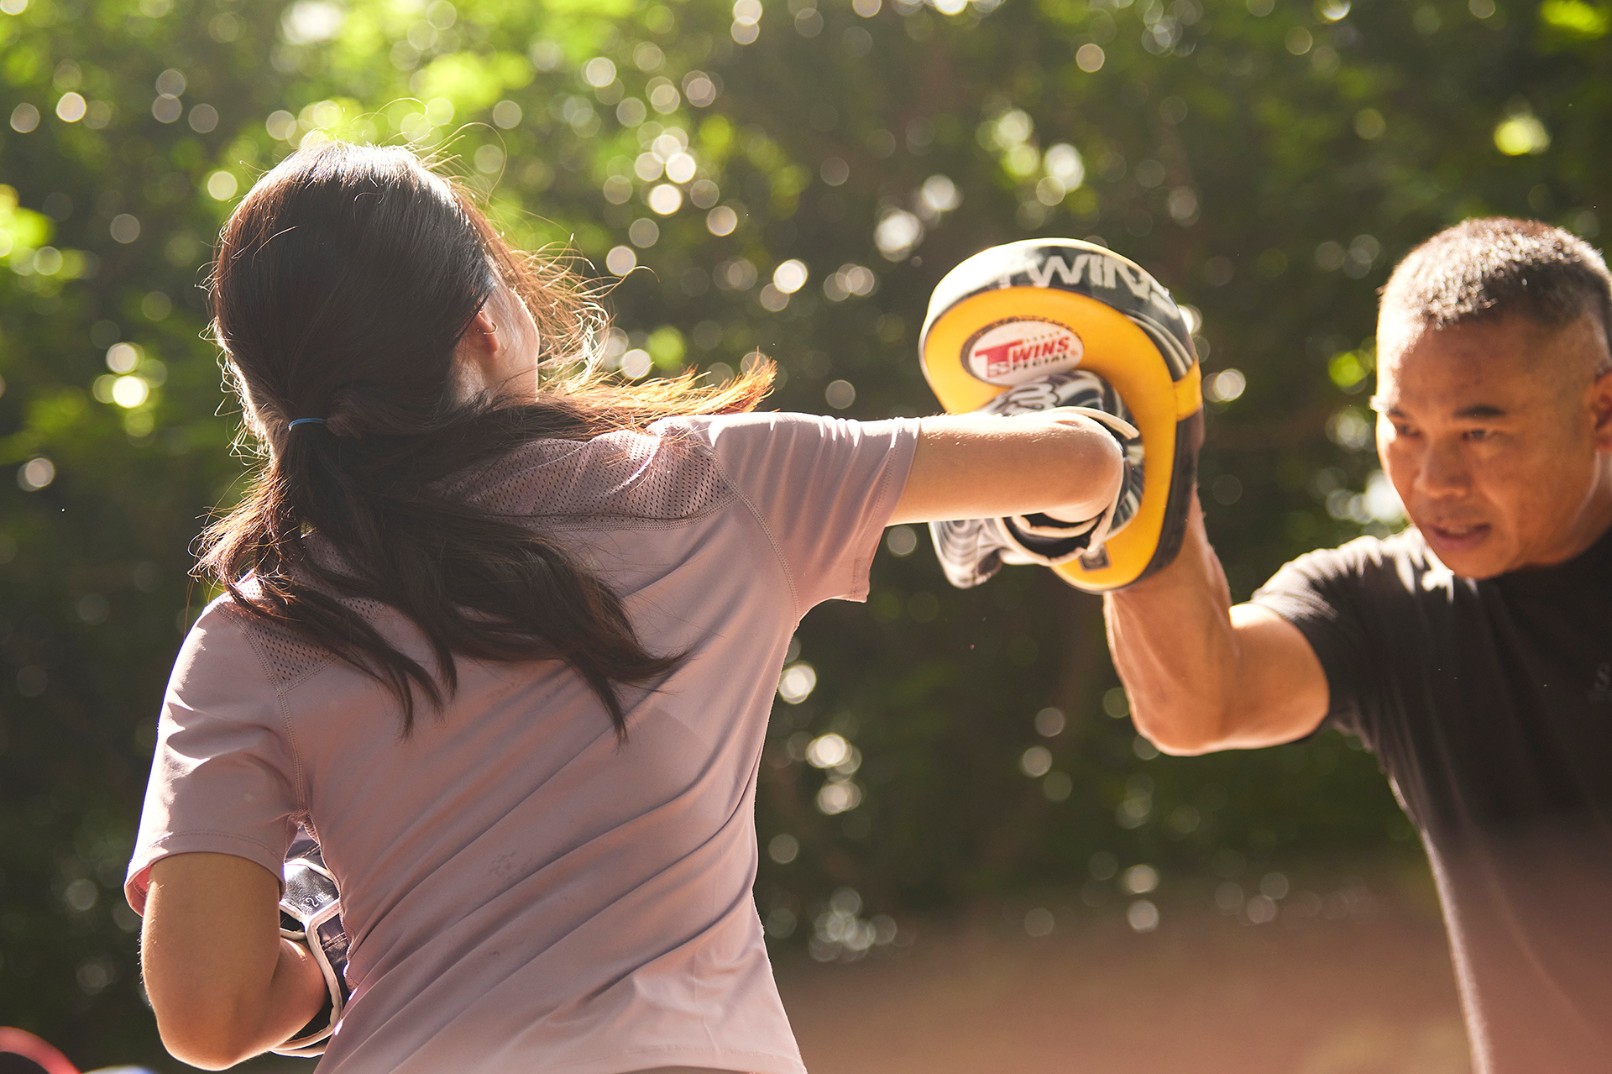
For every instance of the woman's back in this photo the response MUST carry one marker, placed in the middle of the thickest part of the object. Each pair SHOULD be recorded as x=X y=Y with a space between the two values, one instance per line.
x=520 y=884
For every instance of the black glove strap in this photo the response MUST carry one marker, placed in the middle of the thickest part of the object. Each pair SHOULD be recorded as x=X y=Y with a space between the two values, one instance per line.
x=1051 y=547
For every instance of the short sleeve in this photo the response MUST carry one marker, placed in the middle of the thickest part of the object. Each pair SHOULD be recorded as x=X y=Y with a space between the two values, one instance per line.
x=822 y=488
x=1322 y=594
x=223 y=778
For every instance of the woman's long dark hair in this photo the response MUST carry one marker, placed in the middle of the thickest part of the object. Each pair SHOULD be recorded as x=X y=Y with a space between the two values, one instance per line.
x=341 y=286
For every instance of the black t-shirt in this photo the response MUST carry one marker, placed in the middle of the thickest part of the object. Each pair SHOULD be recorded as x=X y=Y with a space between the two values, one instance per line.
x=1489 y=705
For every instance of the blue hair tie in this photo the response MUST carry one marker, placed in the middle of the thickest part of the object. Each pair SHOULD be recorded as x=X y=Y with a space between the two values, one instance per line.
x=305 y=421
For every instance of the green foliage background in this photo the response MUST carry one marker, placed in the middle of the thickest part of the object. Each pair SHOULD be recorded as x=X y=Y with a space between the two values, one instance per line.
x=1268 y=160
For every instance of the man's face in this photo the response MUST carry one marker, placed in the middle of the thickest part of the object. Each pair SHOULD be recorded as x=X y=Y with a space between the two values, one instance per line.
x=1498 y=438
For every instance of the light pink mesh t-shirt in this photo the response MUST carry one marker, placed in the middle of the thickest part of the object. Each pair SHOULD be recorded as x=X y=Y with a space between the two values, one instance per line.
x=523 y=892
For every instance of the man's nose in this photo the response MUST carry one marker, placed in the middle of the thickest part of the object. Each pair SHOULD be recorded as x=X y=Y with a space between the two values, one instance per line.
x=1444 y=471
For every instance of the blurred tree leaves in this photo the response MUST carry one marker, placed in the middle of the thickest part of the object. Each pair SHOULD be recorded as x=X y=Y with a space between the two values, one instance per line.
x=789 y=176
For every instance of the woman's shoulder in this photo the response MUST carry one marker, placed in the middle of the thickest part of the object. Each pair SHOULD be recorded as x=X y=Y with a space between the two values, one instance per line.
x=230 y=632
x=708 y=428
x=665 y=471
x=764 y=436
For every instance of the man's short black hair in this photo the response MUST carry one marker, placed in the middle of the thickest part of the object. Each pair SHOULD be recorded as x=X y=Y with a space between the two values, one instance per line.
x=1490 y=267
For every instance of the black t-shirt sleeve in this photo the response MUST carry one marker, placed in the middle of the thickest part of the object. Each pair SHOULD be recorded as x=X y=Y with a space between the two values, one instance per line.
x=1334 y=597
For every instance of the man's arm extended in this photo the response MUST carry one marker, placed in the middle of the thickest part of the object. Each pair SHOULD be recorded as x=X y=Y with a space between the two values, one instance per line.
x=1204 y=674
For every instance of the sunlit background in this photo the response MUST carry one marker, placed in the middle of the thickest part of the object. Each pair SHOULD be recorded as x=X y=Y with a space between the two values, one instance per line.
x=969 y=859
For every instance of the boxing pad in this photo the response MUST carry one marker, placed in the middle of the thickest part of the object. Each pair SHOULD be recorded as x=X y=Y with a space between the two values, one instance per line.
x=1043 y=308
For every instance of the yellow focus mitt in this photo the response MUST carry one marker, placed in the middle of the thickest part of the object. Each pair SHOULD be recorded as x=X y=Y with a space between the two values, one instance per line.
x=1042 y=309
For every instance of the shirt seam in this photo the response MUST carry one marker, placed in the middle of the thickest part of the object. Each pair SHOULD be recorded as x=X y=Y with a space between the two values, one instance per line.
x=885 y=499
x=755 y=513
x=298 y=769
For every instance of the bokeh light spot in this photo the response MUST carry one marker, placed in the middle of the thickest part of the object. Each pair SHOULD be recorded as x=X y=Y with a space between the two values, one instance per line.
x=1142 y=916
x=24 y=118
x=795 y=685
x=699 y=89
x=1139 y=879
x=122 y=357
x=827 y=751
x=838 y=797
x=790 y=276
x=599 y=72
x=636 y=363
x=839 y=394
x=680 y=168
x=125 y=228
x=129 y=392
x=897 y=232
x=167 y=108
x=71 y=107
x=783 y=849
x=506 y=115
x=643 y=233
x=35 y=474
x=665 y=199
x=1036 y=761
x=721 y=221
x=1521 y=134
x=1225 y=386
x=222 y=186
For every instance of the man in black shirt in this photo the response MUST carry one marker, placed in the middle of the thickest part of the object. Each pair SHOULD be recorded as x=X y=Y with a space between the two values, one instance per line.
x=1473 y=652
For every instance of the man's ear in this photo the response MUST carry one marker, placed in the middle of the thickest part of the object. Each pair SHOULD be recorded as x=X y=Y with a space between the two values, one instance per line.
x=1601 y=408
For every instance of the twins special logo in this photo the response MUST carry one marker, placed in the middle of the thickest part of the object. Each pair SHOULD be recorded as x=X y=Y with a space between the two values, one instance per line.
x=1014 y=351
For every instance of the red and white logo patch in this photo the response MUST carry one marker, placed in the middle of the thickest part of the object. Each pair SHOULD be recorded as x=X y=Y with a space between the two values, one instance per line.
x=1012 y=352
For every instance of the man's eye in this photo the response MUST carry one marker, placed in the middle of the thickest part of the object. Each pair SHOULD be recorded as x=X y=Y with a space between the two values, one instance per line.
x=1472 y=435
x=1401 y=429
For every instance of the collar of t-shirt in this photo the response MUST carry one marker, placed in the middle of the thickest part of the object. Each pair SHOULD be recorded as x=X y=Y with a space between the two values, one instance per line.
x=1593 y=566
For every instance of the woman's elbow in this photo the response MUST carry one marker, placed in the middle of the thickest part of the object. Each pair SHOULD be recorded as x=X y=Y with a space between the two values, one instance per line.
x=207 y=1033
x=203 y=1052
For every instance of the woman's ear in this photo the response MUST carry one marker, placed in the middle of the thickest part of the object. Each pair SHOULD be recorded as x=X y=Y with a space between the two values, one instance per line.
x=483 y=331
x=475 y=356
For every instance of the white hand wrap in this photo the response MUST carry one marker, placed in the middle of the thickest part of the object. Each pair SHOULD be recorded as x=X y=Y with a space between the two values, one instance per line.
x=972 y=550
x=310 y=913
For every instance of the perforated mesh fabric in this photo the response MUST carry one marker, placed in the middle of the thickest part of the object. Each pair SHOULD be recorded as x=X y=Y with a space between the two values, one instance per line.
x=287 y=656
x=626 y=478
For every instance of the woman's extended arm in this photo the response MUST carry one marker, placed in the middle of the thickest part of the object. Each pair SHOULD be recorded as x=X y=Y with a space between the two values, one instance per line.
x=986 y=465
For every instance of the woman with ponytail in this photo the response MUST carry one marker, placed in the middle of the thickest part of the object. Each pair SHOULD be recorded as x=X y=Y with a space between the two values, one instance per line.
x=503 y=634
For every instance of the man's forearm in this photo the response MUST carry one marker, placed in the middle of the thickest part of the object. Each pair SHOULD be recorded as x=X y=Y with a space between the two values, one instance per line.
x=1173 y=644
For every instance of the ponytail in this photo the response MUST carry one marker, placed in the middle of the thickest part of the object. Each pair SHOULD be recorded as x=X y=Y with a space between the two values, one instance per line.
x=345 y=308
